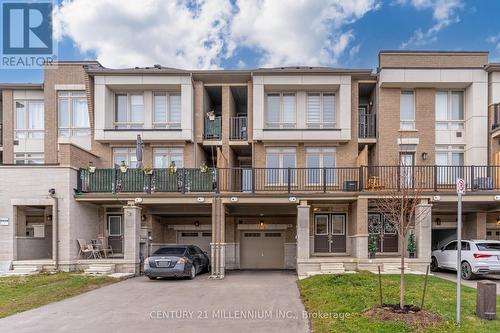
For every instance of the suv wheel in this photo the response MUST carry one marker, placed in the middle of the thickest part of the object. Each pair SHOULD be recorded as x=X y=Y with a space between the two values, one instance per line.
x=466 y=271
x=434 y=265
x=192 y=272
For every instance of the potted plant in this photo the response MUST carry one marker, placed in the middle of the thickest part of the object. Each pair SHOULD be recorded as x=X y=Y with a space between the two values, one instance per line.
x=148 y=170
x=172 y=168
x=203 y=167
x=123 y=167
x=372 y=246
x=412 y=245
x=91 y=168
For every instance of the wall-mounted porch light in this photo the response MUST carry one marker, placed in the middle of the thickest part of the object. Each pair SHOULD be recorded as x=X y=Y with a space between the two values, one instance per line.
x=197 y=223
x=261 y=224
x=424 y=156
x=498 y=220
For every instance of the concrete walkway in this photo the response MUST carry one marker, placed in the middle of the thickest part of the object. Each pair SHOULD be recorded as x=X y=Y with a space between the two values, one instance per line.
x=269 y=300
x=452 y=276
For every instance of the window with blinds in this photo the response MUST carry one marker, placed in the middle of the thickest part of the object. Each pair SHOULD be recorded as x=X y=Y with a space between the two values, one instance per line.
x=280 y=110
x=320 y=111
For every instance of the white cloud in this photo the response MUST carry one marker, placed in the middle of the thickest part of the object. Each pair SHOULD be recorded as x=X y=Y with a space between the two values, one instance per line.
x=202 y=33
x=297 y=32
x=444 y=13
x=495 y=39
x=142 y=33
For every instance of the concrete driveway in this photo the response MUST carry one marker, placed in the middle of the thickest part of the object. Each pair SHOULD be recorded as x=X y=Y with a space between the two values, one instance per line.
x=452 y=276
x=269 y=300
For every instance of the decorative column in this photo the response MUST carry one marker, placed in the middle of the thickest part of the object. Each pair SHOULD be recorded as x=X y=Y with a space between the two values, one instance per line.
x=303 y=217
x=423 y=230
x=217 y=257
x=132 y=236
x=360 y=221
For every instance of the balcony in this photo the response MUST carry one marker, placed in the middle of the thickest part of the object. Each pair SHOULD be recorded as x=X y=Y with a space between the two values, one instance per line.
x=367 y=126
x=290 y=180
x=238 y=128
x=213 y=128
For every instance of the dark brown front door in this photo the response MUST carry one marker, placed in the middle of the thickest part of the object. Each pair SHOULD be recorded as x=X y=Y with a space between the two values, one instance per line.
x=384 y=231
x=330 y=233
x=115 y=233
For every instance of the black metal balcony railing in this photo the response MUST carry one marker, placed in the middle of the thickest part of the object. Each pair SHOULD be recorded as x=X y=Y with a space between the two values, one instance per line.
x=213 y=129
x=367 y=126
x=291 y=180
x=238 y=128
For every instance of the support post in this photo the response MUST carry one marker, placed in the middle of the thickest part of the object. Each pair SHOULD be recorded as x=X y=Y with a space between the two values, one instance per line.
x=423 y=230
x=132 y=236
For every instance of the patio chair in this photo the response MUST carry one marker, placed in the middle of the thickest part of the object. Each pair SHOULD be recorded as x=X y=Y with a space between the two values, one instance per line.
x=84 y=248
x=95 y=252
x=107 y=250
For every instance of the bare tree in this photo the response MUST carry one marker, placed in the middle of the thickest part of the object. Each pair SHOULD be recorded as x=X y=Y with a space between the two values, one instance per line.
x=399 y=196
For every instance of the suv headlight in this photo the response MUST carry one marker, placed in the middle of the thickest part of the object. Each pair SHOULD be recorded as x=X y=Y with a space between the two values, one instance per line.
x=146 y=262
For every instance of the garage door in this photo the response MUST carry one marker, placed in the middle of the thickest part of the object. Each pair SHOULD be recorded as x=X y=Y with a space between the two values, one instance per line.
x=262 y=250
x=201 y=239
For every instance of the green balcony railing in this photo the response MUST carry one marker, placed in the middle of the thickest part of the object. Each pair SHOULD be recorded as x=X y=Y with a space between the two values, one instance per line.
x=431 y=178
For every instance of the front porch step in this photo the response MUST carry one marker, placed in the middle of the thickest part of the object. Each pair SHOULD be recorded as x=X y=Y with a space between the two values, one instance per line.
x=24 y=270
x=394 y=268
x=100 y=269
x=332 y=268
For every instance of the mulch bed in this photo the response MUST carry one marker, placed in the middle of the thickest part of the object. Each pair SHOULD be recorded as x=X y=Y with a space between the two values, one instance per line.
x=410 y=315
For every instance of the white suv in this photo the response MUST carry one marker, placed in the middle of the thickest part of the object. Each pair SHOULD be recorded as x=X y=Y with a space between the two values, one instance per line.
x=478 y=257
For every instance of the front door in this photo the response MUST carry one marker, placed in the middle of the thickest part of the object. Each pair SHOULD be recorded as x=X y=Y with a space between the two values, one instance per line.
x=384 y=232
x=406 y=161
x=330 y=233
x=115 y=233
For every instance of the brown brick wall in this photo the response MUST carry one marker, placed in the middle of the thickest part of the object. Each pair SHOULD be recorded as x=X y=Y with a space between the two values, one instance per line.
x=432 y=60
x=388 y=126
x=62 y=74
x=8 y=126
x=74 y=156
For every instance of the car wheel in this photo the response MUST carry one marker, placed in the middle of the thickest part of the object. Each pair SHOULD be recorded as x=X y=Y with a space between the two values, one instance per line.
x=152 y=277
x=466 y=271
x=192 y=272
x=434 y=265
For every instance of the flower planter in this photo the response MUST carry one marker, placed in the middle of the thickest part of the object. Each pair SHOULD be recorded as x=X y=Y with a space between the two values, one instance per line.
x=123 y=169
x=412 y=255
x=92 y=169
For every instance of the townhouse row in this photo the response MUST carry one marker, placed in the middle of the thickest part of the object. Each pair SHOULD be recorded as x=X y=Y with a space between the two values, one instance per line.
x=267 y=168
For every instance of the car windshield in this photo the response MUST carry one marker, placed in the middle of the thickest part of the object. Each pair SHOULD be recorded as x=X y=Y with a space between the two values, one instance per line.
x=171 y=251
x=488 y=246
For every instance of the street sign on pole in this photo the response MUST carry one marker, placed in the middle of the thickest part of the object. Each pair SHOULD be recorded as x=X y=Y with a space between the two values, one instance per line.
x=460 y=191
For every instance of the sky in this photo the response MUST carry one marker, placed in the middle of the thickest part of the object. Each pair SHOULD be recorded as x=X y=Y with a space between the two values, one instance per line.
x=245 y=34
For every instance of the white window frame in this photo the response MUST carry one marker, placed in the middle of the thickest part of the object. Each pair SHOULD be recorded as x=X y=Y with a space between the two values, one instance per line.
x=70 y=96
x=407 y=124
x=322 y=152
x=28 y=133
x=281 y=124
x=342 y=233
x=120 y=224
x=282 y=177
x=322 y=123
x=168 y=110
x=168 y=152
x=128 y=124
x=443 y=176
x=28 y=158
x=130 y=154
x=450 y=124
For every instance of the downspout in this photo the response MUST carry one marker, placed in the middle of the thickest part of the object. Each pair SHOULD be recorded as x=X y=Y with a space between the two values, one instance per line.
x=55 y=226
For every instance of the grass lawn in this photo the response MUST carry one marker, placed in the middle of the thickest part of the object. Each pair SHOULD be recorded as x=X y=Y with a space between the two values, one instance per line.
x=353 y=293
x=21 y=293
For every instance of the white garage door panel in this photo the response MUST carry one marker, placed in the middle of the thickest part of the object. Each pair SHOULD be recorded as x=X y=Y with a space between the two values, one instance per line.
x=262 y=250
x=201 y=239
